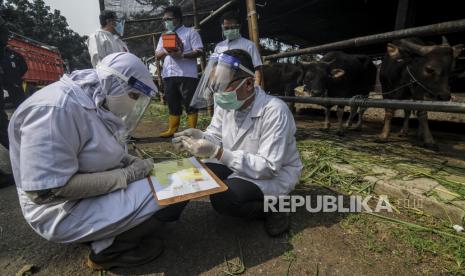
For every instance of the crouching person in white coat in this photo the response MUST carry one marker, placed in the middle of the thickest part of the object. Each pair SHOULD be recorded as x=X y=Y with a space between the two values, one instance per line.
x=75 y=180
x=251 y=136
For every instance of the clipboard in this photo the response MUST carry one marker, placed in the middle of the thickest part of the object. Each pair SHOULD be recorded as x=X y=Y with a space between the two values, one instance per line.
x=222 y=187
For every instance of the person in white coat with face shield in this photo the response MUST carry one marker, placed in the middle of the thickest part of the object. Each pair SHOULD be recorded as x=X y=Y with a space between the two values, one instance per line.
x=75 y=180
x=251 y=140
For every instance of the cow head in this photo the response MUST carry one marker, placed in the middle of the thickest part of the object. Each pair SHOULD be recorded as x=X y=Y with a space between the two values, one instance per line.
x=427 y=67
x=319 y=76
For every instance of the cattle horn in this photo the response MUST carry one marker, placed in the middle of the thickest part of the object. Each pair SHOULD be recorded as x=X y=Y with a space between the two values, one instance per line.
x=416 y=48
x=444 y=41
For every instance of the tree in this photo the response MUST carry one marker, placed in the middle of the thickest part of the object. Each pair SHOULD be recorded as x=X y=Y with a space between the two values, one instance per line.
x=35 y=20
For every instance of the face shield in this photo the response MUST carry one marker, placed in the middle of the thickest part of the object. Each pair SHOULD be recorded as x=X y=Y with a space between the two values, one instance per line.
x=129 y=106
x=220 y=72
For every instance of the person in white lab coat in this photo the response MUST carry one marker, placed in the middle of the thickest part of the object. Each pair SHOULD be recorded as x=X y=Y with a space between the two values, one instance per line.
x=106 y=40
x=75 y=180
x=251 y=137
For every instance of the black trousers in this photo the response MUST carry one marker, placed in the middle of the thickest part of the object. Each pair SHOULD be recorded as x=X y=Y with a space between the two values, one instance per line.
x=3 y=119
x=16 y=93
x=179 y=92
x=242 y=199
x=171 y=212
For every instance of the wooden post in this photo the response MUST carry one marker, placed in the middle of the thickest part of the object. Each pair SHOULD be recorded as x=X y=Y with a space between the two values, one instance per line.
x=252 y=22
x=217 y=12
x=197 y=27
x=253 y=29
x=405 y=16
x=102 y=4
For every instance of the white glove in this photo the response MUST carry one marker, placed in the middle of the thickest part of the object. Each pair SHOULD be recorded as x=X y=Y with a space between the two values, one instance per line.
x=138 y=170
x=191 y=133
x=177 y=143
x=200 y=147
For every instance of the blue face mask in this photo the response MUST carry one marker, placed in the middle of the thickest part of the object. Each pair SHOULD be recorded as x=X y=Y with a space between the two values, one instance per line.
x=169 y=25
x=119 y=28
x=228 y=100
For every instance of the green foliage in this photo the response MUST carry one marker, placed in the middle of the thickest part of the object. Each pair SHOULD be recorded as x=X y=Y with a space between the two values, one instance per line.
x=35 y=20
x=450 y=249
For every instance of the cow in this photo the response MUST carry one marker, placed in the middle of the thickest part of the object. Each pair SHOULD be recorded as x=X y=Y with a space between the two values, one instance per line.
x=282 y=78
x=411 y=69
x=341 y=75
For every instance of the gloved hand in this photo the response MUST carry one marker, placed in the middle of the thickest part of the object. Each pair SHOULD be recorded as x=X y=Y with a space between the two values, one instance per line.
x=191 y=133
x=85 y=185
x=138 y=170
x=177 y=143
x=129 y=159
x=200 y=147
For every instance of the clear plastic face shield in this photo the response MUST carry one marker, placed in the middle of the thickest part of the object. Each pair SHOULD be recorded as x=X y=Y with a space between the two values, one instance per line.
x=219 y=73
x=131 y=105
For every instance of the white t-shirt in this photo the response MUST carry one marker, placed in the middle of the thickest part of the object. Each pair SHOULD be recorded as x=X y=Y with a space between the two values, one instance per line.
x=182 y=67
x=102 y=43
x=243 y=44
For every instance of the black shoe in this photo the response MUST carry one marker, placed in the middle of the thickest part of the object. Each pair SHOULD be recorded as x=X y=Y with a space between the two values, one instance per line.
x=148 y=250
x=277 y=223
x=6 y=180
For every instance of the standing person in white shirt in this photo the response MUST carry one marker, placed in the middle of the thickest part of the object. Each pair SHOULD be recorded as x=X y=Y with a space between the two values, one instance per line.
x=231 y=25
x=180 y=75
x=106 y=40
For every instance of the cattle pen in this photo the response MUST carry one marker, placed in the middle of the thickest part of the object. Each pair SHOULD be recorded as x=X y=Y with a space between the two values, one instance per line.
x=434 y=29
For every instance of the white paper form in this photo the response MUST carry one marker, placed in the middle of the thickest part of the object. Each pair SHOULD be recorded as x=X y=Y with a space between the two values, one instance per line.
x=180 y=177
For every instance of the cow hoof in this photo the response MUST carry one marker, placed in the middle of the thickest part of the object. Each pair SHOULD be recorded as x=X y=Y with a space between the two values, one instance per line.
x=431 y=146
x=402 y=134
x=380 y=140
x=340 y=133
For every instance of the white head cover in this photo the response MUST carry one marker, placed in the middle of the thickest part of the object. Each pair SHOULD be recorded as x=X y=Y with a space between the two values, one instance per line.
x=98 y=84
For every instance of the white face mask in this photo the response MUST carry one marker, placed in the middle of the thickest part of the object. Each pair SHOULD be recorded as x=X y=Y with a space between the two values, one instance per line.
x=120 y=105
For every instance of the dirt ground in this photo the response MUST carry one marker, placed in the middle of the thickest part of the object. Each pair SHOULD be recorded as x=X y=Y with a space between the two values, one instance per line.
x=202 y=242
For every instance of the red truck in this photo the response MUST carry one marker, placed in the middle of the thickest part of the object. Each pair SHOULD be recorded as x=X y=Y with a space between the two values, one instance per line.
x=44 y=62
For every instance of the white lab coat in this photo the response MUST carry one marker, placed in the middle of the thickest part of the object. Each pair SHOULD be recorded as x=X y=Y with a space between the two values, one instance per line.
x=242 y=44
x=102 y=43
x=263 y=149
x=55 y=134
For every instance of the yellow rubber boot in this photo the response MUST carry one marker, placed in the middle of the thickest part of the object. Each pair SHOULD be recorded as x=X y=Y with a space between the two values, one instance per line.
x=173 y=124
x=192 y=120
